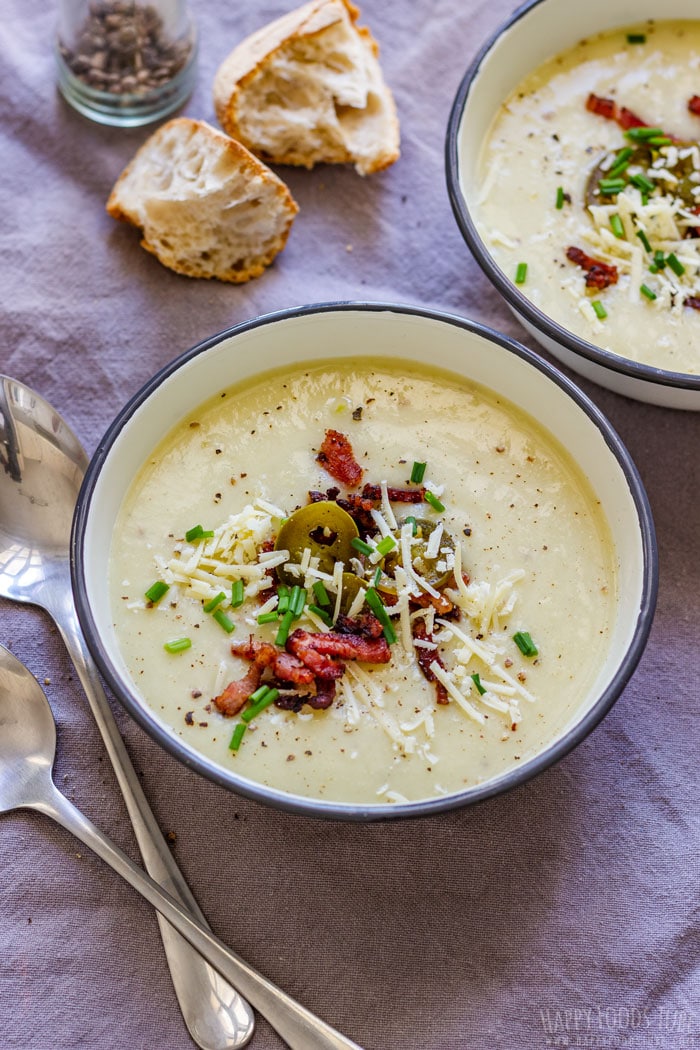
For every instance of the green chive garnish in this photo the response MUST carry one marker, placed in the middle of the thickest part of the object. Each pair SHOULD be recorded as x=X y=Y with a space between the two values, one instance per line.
x=197 y=532
x=477 y=682
x=386 y=545
x=654 y=268
x=521 y=273
x=644 y=239
x=418 y=472
x=434 y=502
x=559 y=203
x=616 y=226
x=414 y=524
x=237 y=593
x=646 y=290
x=320 y=593
x=377 y=576
x=659 y=140
x=268 y=617
x=321 y=613
x=259 y=693
x=297 y=600
x=620 y=163
x=659 y=259
x=283 y=594
x=223 y=621
x=377 y=606
x=238 y=735
x=636 y=38
x=640 y=134
x=525 y=643
x=286 y=623
x=600 y=311
x=675 y=264
x=156 y=591
x=213 y=602
x=609 y=187
x=178 y=645
x=643 y=183
x=269 y=698
x=361 y=546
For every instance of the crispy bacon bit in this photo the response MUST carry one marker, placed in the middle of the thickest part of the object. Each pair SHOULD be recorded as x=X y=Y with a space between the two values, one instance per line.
x=366 y=625
x=324 y=653
x=374 y=492
x=284 y=666
x=426 y=657
x=694 y=105
x=337 y=456
x=234 y=696
x=599 y=274
x=693 y=301
x=608 y=108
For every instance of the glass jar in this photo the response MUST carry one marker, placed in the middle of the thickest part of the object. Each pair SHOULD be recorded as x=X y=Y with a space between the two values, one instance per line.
x=124 y=62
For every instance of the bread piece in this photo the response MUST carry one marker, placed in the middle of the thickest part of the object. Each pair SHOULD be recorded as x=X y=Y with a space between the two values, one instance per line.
x=206 y=206
x=308 y=89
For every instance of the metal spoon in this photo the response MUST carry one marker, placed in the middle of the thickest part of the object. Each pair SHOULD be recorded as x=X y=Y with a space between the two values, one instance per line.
x=41 y=468
x=27 y=751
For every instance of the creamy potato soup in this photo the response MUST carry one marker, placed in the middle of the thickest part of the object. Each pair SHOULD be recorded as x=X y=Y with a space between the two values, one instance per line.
x=431 y=620
x=589 y=192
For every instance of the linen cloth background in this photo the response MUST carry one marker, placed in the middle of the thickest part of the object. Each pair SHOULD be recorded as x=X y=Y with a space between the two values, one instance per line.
x=563 y=912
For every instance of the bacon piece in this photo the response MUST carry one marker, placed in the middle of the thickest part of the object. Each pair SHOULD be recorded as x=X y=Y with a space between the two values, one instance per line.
x=234 y=696
x=366 y=624
x=693 y=301
x=694 y=105
x=283 y=665
x=337 y=456
x=374 y=492
x=324 y=653
x=426 y=657
x=608 y=108
x=599 y=274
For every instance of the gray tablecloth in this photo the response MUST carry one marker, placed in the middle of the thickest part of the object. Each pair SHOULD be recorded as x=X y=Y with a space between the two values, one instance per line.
x=562 y=914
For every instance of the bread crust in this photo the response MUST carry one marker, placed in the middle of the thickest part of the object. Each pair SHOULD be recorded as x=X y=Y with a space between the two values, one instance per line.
x=184 y=223
x=249 y=60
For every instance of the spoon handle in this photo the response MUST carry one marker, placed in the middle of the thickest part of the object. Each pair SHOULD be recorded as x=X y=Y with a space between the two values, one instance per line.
x=300 y=1029
x=216 y=1015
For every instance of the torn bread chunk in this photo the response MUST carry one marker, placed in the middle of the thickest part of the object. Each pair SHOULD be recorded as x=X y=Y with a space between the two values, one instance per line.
x=308 y=89
x=206 y=207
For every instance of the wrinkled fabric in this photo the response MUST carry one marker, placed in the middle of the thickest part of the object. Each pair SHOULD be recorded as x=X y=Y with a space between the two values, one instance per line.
x=565 y=913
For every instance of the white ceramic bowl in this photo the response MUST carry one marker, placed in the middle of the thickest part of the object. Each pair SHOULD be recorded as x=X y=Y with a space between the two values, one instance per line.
x=536 y=32
x=365 y=331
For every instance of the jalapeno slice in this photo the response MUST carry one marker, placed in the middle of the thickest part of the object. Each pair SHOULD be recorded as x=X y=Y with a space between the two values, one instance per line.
x=325 y=528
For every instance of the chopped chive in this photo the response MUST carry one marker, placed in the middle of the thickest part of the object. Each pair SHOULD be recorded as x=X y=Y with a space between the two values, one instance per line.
x=434 y=502
x=653 y=268
x=198 y=532
x=283 y=595
x=386 y=545
x=675 y=264
x=644 y=239
x=252 y=712
x=659 y=140
x=418 y=472
x=361 y=546
x=297 y=600
x=643 y=183
x=268 y=617
x=320 y=593
x=659 y=259
x=156 y=591
x=559 y=203
x=414 y=523
x=224 y=621
x=283 y=632
x=525 y=643
x=640 y=134
x=377 y=576
x=237 y=593
x=600 y=311
x=477 y=682
x=377 y=606
x=238 y=735
x=636 y=38
x=620 y=163
x=178 y=645
x=321 y=613
x=646 y=290
x=521 y=273
x=213 y=602
x=259 y=693
x=609 y=187
x=616 y=226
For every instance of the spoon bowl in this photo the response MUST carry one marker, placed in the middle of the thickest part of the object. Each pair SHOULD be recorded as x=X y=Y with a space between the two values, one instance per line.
x=27 y=752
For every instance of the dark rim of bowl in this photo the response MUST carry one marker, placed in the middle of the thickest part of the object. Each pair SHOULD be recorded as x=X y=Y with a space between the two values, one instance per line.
x=351 y=811
x=515 y=299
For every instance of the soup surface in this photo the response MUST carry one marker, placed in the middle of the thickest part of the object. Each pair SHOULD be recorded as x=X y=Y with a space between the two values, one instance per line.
x=590 y=179
x=508 y=536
